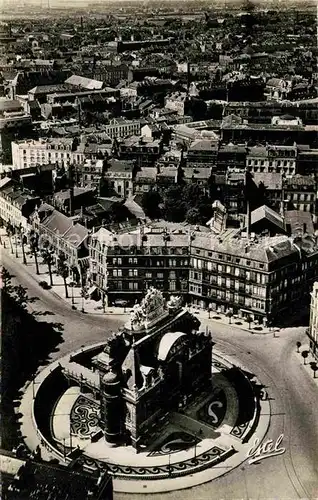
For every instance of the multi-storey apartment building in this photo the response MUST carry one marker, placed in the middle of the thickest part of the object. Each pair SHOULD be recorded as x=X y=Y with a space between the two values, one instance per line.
x=300 y=191
x=120 y=175
x=126 y=265
x=16 y=205
x=268 y=159
x=31 y=152
x=313 y=321
x=121 y=127
x=143 y=150
x=307 y=160
x=262 y=277
x=90 y=173
x=63 y=235
x=202 y=153
x=231 y=156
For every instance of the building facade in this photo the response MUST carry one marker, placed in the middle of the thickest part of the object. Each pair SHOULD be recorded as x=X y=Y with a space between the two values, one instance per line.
x=262 y=277
x=272 y=159
x=121 y=127
x=44 y=151
x=16 y=205
x=313 y=321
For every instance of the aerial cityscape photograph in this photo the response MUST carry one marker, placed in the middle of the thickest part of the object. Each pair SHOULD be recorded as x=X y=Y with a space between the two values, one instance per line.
x=159 y=250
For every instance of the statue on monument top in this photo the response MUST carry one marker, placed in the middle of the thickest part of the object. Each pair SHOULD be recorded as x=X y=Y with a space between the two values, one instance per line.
x=174 y=302
x=152 y=303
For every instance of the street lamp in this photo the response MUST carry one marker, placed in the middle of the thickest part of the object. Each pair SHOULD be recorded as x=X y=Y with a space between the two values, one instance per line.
x=64 y=450
x=169 y=464
x=71 y=445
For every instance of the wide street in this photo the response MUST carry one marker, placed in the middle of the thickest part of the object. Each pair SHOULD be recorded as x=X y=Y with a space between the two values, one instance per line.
x=78 y=328
x=292 y=392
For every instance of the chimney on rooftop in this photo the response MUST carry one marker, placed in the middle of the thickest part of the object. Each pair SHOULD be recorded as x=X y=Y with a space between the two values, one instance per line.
x=248 y=220
x=71 y=186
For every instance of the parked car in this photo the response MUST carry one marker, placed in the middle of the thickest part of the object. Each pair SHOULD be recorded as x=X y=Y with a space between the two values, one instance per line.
x=44 y=285
x=120 y=303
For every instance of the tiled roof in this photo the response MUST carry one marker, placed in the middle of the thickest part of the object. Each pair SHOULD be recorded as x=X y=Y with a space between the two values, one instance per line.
x=76 y=234
x=121 y=166
x=49 y=89
x=263 y=250
x=57 y=223
x=257 y=151
x=299 y=221
x=65 y=195
x=4 y=181
x=197 y=173
x=146 y=173
x=86 y=83
x=202 y=145
x=9 y=105
x=271 y=180
x=265 y=212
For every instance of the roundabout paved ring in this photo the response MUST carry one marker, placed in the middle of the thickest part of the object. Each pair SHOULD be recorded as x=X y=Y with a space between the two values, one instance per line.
x=210 y=461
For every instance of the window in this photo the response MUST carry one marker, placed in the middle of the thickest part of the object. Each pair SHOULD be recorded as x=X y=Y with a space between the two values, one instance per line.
x=133 y=286
x=160 y=275
x=133 y=273
x=132 y=260
x=117 y=273
x=148 y=275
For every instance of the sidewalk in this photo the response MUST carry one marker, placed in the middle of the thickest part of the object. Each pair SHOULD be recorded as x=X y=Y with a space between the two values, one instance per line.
x=74 y=299
x=235 y=321
x=306 y=366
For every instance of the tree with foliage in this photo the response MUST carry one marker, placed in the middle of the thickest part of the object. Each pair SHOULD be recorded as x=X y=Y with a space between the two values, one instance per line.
x=23 y=242
x=21 y=296
x=6 y=279
x=62 y=269
x=193 y=216
x=175 y=207
x=10 y=232
x=48 y=259
x=305 y=355
x=150 y=203
x=314 y=367
x=34 y=246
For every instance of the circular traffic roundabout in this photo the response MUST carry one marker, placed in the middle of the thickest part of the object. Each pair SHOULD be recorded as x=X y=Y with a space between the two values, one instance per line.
x=205 y=437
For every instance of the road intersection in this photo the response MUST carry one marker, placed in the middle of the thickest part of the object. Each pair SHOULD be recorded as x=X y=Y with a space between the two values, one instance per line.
x=292 y=392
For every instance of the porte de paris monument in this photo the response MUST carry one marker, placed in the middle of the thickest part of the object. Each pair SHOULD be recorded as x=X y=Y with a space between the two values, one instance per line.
x=150 y=405
x=155 y=365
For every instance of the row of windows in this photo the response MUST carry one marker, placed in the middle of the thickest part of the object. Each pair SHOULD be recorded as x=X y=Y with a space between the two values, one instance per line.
x=213 y=266
x=284 y=163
